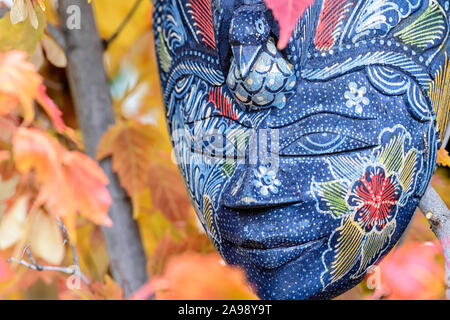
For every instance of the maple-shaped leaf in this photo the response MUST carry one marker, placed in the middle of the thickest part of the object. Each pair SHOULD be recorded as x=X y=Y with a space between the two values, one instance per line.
x=287 y=13
x=443 y=158
x=201 y=276
x=21 y=36
x=21 y=84
x=88 y=183
x=70 y=182
x=167 y=190
x=129 y=143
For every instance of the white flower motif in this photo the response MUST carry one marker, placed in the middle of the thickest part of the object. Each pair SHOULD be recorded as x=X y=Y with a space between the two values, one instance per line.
x=355 y=97
x=266 y=181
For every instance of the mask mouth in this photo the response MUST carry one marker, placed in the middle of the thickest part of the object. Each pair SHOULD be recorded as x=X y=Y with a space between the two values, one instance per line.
x=265 y=229
x=274 y=258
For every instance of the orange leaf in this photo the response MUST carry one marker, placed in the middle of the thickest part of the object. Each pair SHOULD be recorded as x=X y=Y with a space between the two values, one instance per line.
x=194 y=276
x=130 y=145
x=22 y=84
x=443 y=158
x=19 y=81
x=70 y=181
x=287 y=12
x=168 y=191
x=88 y=184
x=4 y=155
x=35 y=150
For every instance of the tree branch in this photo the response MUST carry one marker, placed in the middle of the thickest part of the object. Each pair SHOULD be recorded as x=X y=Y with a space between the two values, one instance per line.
x=91 y=94
x=33 y=265
x=438 y=215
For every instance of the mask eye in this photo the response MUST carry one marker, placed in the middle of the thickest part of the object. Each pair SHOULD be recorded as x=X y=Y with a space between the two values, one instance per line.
x=260 y=26
x=323 y=143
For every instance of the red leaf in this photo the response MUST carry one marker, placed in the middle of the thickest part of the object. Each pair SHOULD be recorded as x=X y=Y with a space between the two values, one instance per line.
x=287 y=13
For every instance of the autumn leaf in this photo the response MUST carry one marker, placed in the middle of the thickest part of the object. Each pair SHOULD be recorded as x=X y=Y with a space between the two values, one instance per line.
x=287 y=13
x=4 y=155
x=20 y=36
x=50 y=108
x=194 y=276
x=167 y=190
x=45 y=239
x=6 y=271
x=23 y=9
x=109 y=15
x=22 y=84
x=129 y=143
x=34 y=150
x=12 y=224
x=443 y=158
x=54 y=52
x=70 y=181
x=88 y=183
x=105 y=290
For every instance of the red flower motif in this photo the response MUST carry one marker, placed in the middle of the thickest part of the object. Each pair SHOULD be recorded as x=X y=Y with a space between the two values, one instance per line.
x=375 y=195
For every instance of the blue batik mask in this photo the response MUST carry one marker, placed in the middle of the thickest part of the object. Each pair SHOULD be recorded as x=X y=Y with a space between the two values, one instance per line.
x=305 y=165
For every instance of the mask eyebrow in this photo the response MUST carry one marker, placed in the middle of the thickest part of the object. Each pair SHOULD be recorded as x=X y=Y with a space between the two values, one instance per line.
x=394 y=59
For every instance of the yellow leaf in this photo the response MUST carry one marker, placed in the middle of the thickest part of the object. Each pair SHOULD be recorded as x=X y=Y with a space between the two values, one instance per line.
x=443 y=158
x=54 y=52
x=46 y=240
x=20 y=36
x=109 y=14
x=12 y=225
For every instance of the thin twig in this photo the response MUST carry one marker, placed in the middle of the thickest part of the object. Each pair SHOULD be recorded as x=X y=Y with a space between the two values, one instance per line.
x=122 y=26
x=34 y=265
